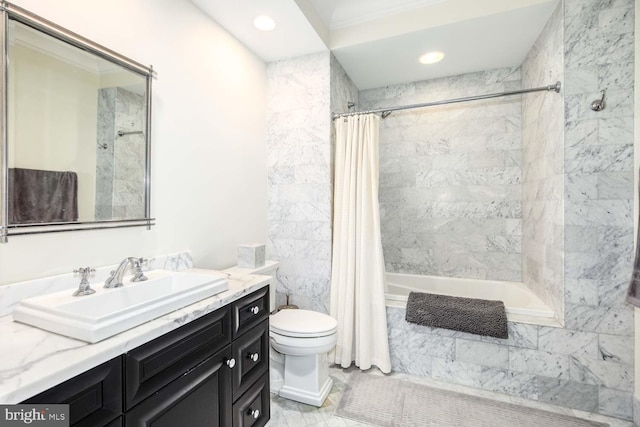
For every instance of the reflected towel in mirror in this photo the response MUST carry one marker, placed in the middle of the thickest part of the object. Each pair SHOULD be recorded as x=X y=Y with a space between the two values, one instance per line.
x=41 y=196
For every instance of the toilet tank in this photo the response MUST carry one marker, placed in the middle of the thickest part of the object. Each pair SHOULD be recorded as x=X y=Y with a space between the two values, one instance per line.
x=268 y=269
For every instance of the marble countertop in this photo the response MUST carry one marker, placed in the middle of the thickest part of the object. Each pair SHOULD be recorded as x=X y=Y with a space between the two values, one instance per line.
x=33 y=360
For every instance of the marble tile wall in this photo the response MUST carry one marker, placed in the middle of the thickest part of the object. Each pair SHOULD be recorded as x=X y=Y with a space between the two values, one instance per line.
x=120 y=165
x=588 y=363
x=598 y=186
x=573 y=368
x=543 y=168
x=450 y=178
x=105 y=152
x=343 y=91
x=130 y=156
x=299 y=178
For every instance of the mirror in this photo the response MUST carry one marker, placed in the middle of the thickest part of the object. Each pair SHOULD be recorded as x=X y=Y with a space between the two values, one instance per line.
x=77 y=132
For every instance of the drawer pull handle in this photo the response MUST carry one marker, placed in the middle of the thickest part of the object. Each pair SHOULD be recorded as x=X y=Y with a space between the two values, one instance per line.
x=255 y=309
x=254 y=357
x=231 y=363
x=255 y=413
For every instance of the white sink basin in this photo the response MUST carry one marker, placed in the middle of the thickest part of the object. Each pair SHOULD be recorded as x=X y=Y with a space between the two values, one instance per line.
x=95 y=317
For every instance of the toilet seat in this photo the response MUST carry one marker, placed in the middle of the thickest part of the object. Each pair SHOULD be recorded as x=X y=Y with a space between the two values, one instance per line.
x=302 y=324
x=296 y=346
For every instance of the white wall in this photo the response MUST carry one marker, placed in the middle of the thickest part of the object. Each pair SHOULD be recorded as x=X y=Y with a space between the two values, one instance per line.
x=208 y=140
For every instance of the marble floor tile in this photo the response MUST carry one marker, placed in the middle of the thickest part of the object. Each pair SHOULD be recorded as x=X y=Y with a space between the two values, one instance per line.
x=287 y=413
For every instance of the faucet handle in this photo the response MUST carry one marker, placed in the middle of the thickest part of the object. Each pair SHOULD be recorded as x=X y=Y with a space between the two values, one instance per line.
x=140 y=262
x=84 y=288
x=84 y=272
x=138 y=274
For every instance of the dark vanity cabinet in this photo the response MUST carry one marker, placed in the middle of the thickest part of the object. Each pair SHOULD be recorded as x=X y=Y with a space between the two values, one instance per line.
x=199 y=397
x=94 y=397
x=213 y=371
x=250 y=349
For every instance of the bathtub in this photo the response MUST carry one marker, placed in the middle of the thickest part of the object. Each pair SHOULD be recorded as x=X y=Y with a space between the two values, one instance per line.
x=520 y=303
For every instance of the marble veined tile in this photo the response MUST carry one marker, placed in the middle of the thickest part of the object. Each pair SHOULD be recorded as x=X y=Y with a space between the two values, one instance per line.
x=521 y=335
x=540 y=363
x=581 y=291
x=615 y=186
x=578 y=7
x=599 y=212
x=515 y=384
x=612 y=375
x=600 y=266
x=581 y=80
x=613 y=293
x=568 y=393
x=617 y=20
x=482 y=353
x=462 y=373
x=615 y=403
x=614 y=348
x=563 y=341
x=615 y=130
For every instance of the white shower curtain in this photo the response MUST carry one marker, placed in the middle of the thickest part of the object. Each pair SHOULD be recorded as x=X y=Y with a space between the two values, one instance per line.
x=357 y=276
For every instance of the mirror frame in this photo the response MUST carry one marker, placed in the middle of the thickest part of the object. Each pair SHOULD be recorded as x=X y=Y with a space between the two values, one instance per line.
x=11 y=11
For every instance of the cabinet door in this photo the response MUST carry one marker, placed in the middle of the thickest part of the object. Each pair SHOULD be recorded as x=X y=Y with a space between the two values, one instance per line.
x=155 y=364
x=251 y=352
x=252 y=409
x=94 y=397
x=199 y=398
x=248 y=311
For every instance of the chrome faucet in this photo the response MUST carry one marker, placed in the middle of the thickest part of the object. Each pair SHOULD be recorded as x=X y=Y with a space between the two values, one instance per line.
x=115 y=278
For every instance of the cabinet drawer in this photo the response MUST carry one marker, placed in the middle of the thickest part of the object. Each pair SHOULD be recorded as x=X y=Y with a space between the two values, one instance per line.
x=252 y=409
x=199 y=398
x=251 y=352
x=249 y=311
x=155 y=364
x=94 y=397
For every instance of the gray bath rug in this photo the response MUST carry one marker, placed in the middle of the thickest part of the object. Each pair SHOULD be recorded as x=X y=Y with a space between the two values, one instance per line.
x=387 y=402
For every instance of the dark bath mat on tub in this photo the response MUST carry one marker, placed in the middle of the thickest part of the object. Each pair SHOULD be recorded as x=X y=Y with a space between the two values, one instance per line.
x=475 y=316
x=387 y=402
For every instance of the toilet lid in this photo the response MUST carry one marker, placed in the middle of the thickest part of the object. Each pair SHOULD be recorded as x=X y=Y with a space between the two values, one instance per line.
x=302 y=323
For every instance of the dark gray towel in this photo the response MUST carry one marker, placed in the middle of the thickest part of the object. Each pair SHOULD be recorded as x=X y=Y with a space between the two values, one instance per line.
x=633 y=292
x=42 y=196
x=475 y=316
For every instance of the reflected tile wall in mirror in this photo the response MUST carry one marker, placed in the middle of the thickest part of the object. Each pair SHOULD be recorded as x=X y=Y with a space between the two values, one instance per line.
x=120 y=162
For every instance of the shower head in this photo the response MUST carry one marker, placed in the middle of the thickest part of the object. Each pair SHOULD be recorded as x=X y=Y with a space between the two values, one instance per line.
x=385 y=114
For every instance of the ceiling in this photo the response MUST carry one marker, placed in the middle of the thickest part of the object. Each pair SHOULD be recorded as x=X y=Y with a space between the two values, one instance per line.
x=378 y=42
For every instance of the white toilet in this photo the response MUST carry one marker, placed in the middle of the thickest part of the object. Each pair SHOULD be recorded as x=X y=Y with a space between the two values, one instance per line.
x=304 y=337
x=300 y=341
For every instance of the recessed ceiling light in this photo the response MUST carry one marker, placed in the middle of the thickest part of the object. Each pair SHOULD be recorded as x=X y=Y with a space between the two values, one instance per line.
x=264 y=23
x=431 y=57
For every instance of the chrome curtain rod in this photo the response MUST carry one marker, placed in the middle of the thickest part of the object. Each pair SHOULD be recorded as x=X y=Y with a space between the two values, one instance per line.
x=386 y=111
x=133 y=132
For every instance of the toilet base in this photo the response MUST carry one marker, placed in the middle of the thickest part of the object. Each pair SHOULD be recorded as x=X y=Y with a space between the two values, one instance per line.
x=306 y=379
x=310 y=397
x=276 y=371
